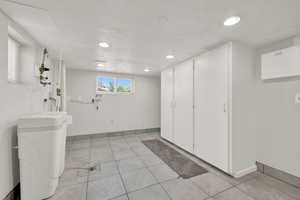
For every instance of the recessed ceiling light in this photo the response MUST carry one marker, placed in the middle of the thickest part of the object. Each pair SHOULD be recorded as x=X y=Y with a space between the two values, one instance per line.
x=147 y=70
x=232 y=21
x=100 y=65
x=103 y=44
x=170 y=56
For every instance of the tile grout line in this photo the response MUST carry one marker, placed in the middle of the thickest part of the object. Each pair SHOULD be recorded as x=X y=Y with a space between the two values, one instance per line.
x=140 y=140
x=200 y=189
x=236 y=186
x=123 y=183
x=208 y=195
x=292 y=198
x=127 y=192
x=280 y=182
x=245 y=192
x=222 y=191
x=147 y=167
x=116 y=161
x=88 y=176
x=85 y=162
x=158 y=183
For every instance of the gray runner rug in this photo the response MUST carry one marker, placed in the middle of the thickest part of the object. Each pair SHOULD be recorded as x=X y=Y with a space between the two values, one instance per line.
x=182 y=165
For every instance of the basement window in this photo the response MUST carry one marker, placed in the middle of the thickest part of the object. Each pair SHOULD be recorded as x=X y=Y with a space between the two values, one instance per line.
x=13 y=59
x=113 y=85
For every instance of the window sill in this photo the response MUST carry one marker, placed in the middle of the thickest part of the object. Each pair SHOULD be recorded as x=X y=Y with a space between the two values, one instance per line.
x=114 y=93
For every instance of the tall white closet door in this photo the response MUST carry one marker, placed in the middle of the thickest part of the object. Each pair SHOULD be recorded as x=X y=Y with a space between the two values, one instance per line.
x=183 y=109
x=211 y=117
x=167 y=95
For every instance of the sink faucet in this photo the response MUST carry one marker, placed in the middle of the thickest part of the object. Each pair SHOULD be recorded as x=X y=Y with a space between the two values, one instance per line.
x=54 y=102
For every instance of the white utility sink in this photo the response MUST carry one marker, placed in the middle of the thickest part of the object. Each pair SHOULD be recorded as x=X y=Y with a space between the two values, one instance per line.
x=41 y=141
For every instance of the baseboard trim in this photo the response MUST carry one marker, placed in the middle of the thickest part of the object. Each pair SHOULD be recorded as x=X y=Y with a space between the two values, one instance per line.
x=235 y=175
x=278 y=174
x=15 y=194
x=113 y=134
x=244 y=172
x=194 y=155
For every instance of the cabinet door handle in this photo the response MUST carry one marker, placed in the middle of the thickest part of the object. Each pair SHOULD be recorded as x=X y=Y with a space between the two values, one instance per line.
x=225 y=107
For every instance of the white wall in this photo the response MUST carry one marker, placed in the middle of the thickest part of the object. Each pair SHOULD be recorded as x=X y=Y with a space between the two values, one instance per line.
x=243 y=108
x=140 y=110
x=15 y=100
x=278 y=119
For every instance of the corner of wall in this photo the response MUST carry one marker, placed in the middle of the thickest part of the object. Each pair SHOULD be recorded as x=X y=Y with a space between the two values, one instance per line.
x=244 y=109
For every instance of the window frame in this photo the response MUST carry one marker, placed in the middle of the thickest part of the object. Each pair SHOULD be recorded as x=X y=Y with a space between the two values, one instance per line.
x=18 y=46
x=132 y=87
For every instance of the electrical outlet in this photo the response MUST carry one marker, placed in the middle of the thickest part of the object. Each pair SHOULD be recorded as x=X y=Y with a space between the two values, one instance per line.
x=297 y=98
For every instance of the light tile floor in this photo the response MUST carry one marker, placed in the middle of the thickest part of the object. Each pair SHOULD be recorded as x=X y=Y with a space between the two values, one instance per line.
x=125 y=169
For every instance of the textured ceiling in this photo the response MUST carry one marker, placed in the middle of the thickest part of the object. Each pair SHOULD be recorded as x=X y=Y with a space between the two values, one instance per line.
x=142 y=32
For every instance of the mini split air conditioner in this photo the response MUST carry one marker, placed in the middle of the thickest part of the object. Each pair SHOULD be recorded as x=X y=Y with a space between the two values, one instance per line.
x=281 y=63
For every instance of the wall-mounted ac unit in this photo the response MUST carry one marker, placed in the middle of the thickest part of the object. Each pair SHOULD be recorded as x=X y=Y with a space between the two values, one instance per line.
x=281 y=63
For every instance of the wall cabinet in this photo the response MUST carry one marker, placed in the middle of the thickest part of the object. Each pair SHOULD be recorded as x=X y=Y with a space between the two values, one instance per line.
x=177 y=105
x=212 y=107
x=183 y=105
x=167 y=103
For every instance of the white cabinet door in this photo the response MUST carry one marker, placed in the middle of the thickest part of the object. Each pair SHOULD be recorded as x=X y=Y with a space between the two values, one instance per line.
x=211 y=117
x=183 y=111
x=167 y=95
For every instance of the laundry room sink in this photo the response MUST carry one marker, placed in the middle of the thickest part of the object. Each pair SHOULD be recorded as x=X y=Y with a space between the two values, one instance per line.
x=41 y=141
x=67 y=118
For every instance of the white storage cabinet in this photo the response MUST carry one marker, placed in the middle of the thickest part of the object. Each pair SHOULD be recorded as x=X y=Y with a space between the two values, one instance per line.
x=167 y=104
x=214 y=102
x=177 y=105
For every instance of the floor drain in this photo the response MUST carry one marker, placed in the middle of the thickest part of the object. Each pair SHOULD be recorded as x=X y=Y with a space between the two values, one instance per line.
x=92 y=168
x=89 y=168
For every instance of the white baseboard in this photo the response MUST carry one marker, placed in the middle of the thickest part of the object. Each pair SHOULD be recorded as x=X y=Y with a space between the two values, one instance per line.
x=244 y=172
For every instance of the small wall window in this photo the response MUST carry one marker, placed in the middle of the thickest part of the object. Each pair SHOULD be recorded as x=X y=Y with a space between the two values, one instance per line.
x=13 y=59
x=105 y=84
x=113 y=85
